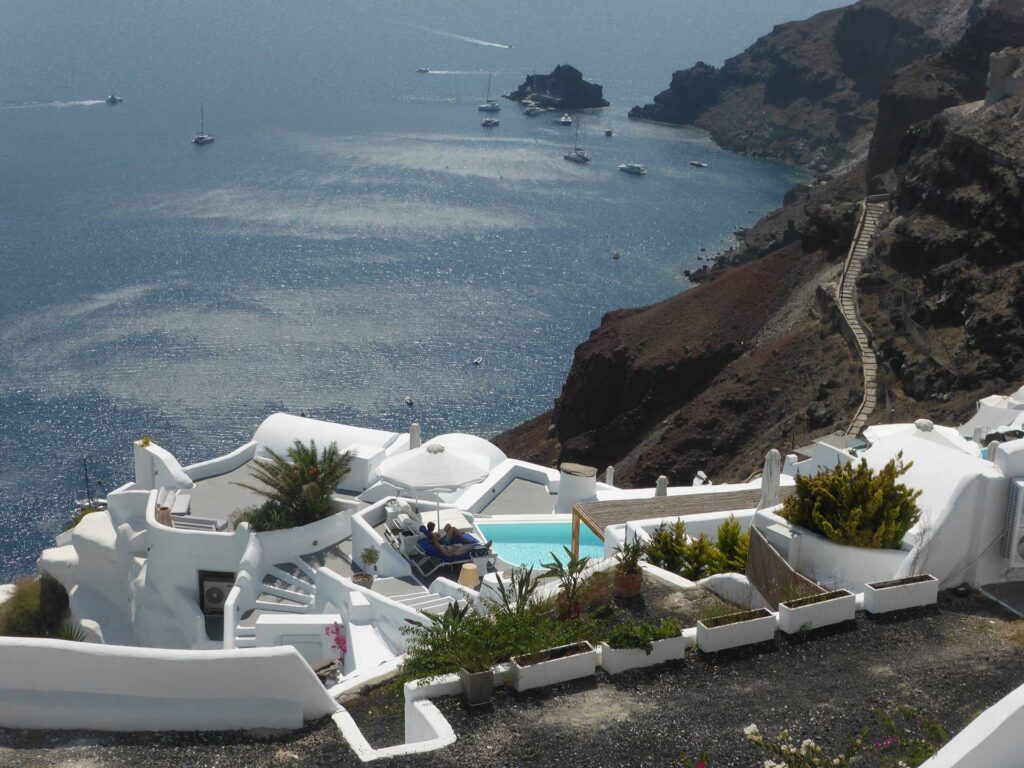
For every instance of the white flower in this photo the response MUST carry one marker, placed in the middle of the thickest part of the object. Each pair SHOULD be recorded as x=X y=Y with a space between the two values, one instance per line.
x=751 y=730
x=808 y=744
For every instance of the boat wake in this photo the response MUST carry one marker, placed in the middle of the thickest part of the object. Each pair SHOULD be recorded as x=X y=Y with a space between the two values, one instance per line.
x=465 y=39
x=52 y=104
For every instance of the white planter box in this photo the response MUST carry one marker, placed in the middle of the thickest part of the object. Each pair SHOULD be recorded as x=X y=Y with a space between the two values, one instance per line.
x=583 y=663
x=841 y=606
x=898 y=594
x=759 y=628
x=616 y=660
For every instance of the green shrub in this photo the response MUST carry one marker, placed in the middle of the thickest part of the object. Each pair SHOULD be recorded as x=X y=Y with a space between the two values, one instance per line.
x=734 y=544
x=570 y=578
x=853 y=505
x=77 y=517
x=668 y=546
x=634 y=634
x=702 y=559
x=36 y=609
x=297 y=487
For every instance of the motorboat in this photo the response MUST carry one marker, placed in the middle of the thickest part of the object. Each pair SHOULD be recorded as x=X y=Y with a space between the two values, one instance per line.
x=533 y=110
x=698 y=164
x=634 y=168
x=565 y=119
x=490 y=122
x=202 y=137
x=478 y=361
x=408 y=400
x=423 y=71
x=112 y=99
x=490 y=105
x=609 y=131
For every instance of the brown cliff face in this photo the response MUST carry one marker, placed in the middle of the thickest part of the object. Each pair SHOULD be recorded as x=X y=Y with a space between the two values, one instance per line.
x=748 y=360
x=808 y=91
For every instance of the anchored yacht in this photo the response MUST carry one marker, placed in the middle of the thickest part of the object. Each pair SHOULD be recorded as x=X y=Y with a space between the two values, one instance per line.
x=490 y=122
x=634 y=168
x=490 y=105
x=565 y=119
x=202 y=137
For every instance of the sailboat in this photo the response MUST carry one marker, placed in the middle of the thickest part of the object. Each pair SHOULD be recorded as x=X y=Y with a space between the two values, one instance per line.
x=202 y=137
x=490 y=105
x=578 y=154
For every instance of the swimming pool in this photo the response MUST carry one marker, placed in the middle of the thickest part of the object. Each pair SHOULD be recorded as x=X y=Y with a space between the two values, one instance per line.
x=530 y=544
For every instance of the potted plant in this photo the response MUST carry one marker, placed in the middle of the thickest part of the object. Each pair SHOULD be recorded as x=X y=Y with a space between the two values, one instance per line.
x=802 y=614
x=720 y=631
x=553 y=665
x=629 y=576
x=631 y=645
x=369 y=557
x=476 y=674
x=897 y=594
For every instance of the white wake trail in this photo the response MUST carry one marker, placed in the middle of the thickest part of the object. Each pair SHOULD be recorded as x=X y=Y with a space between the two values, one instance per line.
x=465 y=39
x=53 y=104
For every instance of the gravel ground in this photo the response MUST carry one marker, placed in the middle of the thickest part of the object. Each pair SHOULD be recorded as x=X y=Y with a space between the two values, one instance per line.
x=949 y=661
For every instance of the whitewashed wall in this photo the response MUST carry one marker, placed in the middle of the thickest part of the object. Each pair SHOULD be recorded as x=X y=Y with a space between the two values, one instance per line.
x=991 y=740
x=55 y=684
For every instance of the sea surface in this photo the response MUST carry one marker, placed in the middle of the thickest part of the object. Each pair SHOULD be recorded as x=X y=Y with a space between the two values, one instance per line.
x=353 y=236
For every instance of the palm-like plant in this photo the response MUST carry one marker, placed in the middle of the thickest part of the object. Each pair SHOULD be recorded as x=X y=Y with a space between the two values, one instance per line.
x=570 y=577
x=297 y=487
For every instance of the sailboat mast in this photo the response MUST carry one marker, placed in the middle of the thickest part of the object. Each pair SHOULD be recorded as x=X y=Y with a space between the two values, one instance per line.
x=488 y=97
x=202 y=119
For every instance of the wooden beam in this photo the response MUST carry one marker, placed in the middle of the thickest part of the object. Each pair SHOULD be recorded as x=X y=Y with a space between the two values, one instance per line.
x=575 y=531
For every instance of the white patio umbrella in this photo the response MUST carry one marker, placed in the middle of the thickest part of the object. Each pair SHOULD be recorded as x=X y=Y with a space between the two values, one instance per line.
x=433 y=468
x=770 y=480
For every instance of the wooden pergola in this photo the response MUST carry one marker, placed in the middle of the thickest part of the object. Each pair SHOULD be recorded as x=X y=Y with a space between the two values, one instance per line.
x=598 y=515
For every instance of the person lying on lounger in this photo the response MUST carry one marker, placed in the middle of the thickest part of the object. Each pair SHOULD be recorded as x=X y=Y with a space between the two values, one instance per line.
x=453 y=543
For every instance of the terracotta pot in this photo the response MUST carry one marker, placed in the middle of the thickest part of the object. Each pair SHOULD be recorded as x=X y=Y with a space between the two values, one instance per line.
x=628 y=584
x=363 y=579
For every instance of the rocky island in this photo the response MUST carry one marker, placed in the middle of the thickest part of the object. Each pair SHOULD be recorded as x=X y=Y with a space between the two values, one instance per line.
x=917 y=101
x=564 y=88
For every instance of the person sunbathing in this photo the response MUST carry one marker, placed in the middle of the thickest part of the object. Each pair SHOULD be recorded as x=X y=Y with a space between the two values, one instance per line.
x=452 y=543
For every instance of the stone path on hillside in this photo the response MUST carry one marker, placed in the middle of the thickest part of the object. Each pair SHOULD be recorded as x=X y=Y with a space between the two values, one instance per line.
x=872 y=210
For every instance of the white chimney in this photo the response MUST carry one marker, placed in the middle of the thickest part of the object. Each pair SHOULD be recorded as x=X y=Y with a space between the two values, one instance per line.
x=576 y=482
x=414 y=435
x=609 y=475
x=661 y=487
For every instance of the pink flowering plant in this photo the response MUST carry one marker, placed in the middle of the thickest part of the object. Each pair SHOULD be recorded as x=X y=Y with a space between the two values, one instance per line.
x=336 y=632
x=788 y=753
x=701 y=761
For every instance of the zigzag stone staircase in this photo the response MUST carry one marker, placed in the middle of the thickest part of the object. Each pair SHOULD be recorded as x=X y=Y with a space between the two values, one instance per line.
x=872 y=209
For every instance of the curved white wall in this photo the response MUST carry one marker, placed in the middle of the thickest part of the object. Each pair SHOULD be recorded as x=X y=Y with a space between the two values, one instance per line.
x=56 y=684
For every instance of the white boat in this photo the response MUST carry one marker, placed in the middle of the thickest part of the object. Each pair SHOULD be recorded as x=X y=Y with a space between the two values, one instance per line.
x=533 y=110
x=698 y=164
x=565 y=119
x=490 y=105
x=578 y=154
x=634 y=168
x=609 y=131
x=490 y=122
x=478 y=360
x=112 y=99
x=202 y=137
x=408 y=400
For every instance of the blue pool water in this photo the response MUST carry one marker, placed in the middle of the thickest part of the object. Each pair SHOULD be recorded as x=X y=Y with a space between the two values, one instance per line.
x=531 y=544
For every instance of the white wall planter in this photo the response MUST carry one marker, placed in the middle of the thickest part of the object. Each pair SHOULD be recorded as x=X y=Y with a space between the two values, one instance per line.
x=736 y=629
x=804 y=614
x=567 y=662
x=898 y=594
x=616 y=660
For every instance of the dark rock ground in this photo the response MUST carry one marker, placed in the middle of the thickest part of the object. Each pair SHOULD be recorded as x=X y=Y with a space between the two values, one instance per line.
x=950 y=661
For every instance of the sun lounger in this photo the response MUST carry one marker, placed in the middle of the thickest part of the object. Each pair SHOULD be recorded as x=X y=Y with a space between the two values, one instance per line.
x=431 y=558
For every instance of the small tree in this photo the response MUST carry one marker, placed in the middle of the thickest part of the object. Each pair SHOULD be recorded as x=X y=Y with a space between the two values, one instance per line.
x=855 y=506
x=702 y=559
x=668 y=545
x=370 y=556
x=297 y=487
x=570 y=576
x=734 y=544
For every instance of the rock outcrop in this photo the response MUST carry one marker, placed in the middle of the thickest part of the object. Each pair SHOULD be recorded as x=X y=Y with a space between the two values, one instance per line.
x=564 y=88
x=751 y=358
x=808 y=91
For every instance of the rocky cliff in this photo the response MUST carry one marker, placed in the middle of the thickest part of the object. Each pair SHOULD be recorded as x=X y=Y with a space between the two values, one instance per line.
x=808 y=91
x=564 y=88
x=751 y=358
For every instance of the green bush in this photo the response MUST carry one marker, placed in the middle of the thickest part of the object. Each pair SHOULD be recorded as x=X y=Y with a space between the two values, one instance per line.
x=702 y=559
x=634 y=634
x=297 y=487
x=853 y=505
x=36 y=609
x=734 y=544
x=668 y=546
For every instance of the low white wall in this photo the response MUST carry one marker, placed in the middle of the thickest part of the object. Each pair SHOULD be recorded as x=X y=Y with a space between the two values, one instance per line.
x=389 y=617
x=477 y=496
x=54 y=684
x=391 y=563
x=706 y=523
x=842 y=567
x=222 y=465
x=991 y=740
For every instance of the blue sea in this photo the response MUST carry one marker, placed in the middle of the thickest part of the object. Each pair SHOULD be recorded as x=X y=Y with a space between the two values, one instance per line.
x=353 y=236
